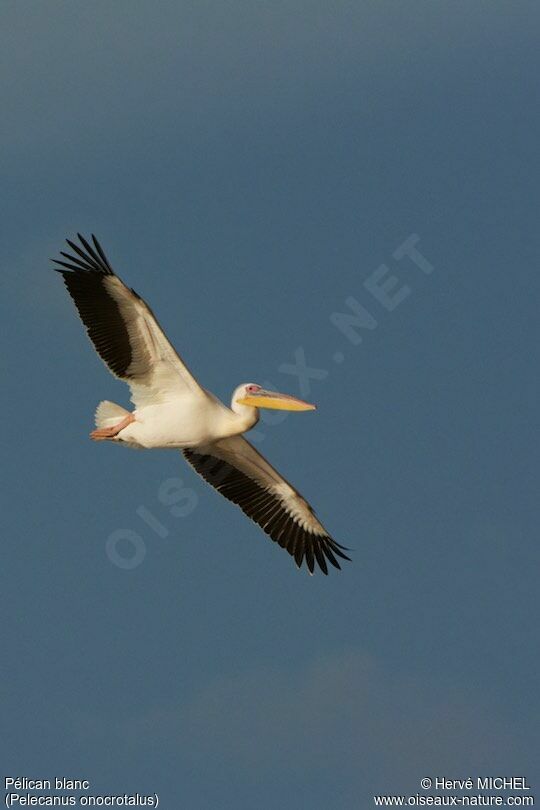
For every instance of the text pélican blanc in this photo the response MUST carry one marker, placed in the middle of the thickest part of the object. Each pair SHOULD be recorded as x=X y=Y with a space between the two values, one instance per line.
x=58 y=783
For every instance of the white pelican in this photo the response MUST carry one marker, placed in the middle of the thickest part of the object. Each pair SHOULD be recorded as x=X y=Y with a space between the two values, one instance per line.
x=173 y=410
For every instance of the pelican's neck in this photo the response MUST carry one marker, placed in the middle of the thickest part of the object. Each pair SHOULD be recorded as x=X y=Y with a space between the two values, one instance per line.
x=245 y=417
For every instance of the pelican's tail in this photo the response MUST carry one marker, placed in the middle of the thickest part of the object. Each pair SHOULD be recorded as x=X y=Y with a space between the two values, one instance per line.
x=109 y=414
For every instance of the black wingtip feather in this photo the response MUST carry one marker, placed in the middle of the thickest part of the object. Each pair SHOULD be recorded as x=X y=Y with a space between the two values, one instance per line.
x=102 y=253
x=336 y=548
x=320 y=558
x=330 y=556
x=86 y=258
x=90 y=250
x=66 y=265
x=79 y=262
x=310 y=560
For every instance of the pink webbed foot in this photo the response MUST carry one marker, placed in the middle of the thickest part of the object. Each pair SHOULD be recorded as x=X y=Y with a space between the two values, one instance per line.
x=102 y=434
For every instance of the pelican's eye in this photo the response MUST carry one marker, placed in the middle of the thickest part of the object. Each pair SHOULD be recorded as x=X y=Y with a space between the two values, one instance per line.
x=253 y=388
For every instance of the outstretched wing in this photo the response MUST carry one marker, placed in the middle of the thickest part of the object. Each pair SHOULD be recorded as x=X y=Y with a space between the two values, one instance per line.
x=122 y=327
x=242 y=475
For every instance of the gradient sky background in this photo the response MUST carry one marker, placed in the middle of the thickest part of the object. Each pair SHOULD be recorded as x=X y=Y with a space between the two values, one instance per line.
x=247 y=166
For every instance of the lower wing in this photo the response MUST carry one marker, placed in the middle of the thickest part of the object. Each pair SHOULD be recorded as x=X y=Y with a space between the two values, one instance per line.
x=241 y=474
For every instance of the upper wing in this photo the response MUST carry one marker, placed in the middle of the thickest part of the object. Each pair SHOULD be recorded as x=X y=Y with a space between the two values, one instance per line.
x=123 y=328
x=242 y=475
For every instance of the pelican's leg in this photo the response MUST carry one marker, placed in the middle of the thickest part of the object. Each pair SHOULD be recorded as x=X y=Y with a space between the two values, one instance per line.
x=101 y=434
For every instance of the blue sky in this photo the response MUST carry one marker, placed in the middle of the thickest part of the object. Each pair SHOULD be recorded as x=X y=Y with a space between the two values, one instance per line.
x=248 y=168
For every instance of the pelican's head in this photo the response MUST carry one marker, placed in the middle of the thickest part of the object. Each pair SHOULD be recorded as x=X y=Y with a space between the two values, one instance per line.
x=258 y=397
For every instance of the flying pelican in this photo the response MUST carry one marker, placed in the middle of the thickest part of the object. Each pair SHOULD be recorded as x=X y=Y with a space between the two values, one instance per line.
x=173 y=410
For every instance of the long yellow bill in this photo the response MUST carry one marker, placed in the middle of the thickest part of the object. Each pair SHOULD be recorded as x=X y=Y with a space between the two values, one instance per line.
x=281 y=402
